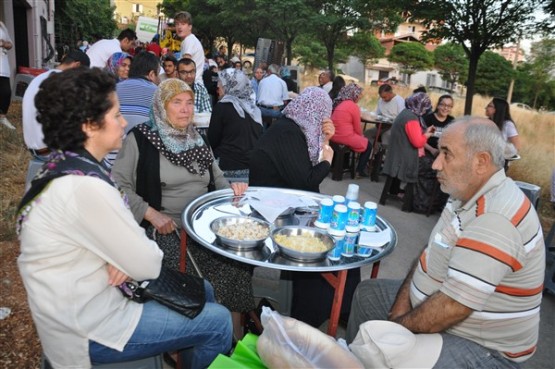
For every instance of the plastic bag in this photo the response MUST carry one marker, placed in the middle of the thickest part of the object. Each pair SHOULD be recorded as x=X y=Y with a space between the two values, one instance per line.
x=289 y=343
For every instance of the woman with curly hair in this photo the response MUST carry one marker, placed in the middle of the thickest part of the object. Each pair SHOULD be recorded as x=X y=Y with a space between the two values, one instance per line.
x=79 y=241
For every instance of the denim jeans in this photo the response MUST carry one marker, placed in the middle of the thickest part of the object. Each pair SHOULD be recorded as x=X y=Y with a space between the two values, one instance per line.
x=373 y=299
x=274 y=113
x=161 y=329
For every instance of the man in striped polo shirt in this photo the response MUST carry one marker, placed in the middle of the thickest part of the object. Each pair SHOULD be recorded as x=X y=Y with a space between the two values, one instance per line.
x=479 y=281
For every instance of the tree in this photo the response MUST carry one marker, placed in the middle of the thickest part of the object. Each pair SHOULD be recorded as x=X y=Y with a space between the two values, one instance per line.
x=542 y=61
x=411 y=57
x=451 y=62
x=311 y=52
x=333 y=21
x=366 y=47
x=477 y=25
x=494 y=75
x=71 y=26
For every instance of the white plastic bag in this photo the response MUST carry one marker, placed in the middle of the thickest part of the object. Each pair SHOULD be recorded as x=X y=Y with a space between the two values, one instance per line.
x=289 y=343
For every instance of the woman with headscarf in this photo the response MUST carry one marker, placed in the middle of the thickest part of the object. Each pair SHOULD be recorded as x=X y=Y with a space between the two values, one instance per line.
x=163 y=165
x=408 y=138
x=346 y=119
x=118 y=65
x=288 y=154
x=427 y=177
x=235 y=124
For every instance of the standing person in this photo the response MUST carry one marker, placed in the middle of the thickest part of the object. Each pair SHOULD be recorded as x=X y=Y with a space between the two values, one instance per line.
x=407 y=145
x=32 y=130
x=5 y=72
x=210 y=78
x=100 y=51
x=479 y=281
x=190 y=46
x=165 y=164
x=337 y=85
x=325 y=80
x=187 y=72
x=169 y=64
x=118 y=65
x=71 y=266
x=256 y=78
x=427 y=179
x=498 y=110
x=346 y=119
x=235 y=125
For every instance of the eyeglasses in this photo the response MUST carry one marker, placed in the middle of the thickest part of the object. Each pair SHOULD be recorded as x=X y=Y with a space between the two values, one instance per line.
x=187 y=72
x=445 y=106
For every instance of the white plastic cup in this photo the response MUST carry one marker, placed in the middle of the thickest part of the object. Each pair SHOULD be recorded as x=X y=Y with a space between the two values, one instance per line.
x=352 y=193
x=369 y=216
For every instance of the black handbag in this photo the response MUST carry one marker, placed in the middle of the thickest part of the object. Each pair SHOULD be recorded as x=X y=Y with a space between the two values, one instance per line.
x=178 y=291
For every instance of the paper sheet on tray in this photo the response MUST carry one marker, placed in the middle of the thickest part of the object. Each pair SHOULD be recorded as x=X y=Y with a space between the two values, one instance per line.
x=271 y=205
x=375 y=239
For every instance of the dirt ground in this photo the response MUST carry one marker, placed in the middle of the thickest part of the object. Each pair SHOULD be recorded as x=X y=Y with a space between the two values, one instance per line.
x=19 y=343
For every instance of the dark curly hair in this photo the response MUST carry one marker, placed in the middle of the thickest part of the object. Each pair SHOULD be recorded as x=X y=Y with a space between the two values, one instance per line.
x=68 y=99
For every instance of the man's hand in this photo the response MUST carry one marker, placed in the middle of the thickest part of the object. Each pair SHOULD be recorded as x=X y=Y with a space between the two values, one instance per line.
x=239 y=188
x=328 y=129
x=163 y=223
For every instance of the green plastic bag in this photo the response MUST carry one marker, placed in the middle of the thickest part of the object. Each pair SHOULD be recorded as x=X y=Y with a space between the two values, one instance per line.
x=244 y=356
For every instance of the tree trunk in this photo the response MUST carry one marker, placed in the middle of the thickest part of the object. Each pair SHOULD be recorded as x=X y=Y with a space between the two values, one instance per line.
x=289 y=50
x=331 y=54
x=472 y=68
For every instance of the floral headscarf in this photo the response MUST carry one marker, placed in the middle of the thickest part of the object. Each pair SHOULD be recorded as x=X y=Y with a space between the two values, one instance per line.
x=350 y=92
x=239 y=92
x=308 y=110
x=182 y=147
x=114 y=62
x=418 y=103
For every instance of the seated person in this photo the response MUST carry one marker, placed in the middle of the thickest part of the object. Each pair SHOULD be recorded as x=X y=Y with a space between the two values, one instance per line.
x=235 y=125
x=163 y=165
x=479 y=281
x=288 y=156
x=118 y=65
x=407 y=145
x=427 y=180
x=348 y=131
x=79 y=241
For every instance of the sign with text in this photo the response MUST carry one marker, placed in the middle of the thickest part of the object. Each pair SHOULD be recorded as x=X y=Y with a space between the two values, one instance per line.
x=146 y=28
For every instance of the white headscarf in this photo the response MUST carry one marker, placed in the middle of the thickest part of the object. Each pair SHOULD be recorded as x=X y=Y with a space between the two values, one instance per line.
x=239 y=92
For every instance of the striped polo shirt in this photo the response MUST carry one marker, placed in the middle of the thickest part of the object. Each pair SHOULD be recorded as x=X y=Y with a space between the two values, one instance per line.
x=488 y=254
x=135 y=98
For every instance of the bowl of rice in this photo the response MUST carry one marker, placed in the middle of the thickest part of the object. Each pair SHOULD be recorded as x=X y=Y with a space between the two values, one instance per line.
x=302 y=243
x=240 y=232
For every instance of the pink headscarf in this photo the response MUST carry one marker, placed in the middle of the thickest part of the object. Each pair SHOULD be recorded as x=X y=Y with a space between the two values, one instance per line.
x=308 y=110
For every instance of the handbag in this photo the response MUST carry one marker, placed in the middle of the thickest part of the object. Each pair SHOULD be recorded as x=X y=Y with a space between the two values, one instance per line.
x=178 y=291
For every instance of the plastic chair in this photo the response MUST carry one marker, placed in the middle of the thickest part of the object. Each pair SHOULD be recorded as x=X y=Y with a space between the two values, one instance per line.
x=392 y=183
x=344 y=160
x=22 y=81
x=549 y=282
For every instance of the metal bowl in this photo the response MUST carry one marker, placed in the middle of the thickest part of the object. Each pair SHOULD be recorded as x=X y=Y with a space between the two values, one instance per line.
x=305 y=256
x=238 y=244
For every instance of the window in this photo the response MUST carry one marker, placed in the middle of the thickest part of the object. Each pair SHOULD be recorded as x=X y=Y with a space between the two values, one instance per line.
x=412 y=29
x=430 y=79
x=137 y=8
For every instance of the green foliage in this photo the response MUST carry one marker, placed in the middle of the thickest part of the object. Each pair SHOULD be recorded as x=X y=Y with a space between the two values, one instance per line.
x=494 y=75
x=366 y=47
x=411 y=57
x=311 y=53
x=83 y=20
x=451 y=62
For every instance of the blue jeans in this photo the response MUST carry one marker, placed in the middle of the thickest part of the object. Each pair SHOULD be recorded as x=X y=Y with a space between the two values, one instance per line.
x=161 y=329
x=373 y=299
x=274 y=113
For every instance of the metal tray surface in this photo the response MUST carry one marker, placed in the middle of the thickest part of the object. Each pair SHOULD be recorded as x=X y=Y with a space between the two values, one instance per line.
x=197 y=217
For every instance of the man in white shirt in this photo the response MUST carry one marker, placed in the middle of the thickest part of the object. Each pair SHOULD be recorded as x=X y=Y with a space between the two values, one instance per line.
x=32 y=130
x=190 y=46
x=272 y=93
x=101 y=50
x=325 y=80
x=390 y=104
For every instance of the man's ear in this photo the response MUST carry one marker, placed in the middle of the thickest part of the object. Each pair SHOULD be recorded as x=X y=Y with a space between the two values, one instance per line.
x=483 y=162
x=152 y=76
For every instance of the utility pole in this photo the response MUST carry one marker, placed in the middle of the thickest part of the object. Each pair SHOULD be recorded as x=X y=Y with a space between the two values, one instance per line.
x=515 y=62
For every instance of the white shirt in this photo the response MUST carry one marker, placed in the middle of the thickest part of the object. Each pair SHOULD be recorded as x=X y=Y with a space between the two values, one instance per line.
x=272 y=91
x=192 y=46
x=63 y=264
x=392 y=108
x=509 y=130
x=101 y=50
x=4 y=60
x=32 y=130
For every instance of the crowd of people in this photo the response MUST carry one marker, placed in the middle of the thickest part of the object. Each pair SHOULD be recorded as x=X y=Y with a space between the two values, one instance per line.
x=117 y=157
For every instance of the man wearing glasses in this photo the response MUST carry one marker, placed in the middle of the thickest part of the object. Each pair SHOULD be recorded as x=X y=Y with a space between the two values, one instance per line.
x=186 y=69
